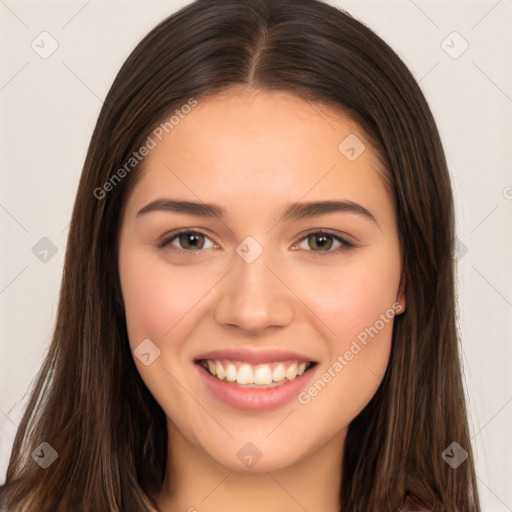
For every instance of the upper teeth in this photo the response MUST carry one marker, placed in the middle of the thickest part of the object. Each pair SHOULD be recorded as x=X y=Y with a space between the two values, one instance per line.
x=260 y=374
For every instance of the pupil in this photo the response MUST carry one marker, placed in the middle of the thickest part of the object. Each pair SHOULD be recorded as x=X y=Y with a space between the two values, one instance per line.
x=324 y=241
x=190 y=239
x=320 y=241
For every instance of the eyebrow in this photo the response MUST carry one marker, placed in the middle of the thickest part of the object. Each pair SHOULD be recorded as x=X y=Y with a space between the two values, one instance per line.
x=294 y=211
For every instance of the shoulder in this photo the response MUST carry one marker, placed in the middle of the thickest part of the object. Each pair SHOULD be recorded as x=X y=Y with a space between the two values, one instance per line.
x=412 y=503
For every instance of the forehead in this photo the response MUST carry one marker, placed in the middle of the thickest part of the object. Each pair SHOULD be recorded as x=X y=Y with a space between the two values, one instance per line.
x=259 y=146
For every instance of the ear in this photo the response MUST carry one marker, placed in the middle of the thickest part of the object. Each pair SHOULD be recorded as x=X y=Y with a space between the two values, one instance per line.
x=400 y=303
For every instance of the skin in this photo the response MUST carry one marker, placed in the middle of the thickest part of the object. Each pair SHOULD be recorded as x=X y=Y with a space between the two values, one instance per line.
x=253 y=153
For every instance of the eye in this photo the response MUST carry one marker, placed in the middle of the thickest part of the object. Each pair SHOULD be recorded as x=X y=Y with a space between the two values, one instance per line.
x=323 y=242
x=318 y=241
x=188 y=240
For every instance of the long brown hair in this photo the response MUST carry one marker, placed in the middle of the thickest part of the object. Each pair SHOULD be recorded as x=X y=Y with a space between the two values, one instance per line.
x=90 y=404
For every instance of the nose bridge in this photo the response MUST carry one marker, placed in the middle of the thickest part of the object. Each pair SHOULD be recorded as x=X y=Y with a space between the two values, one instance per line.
x=252 y=297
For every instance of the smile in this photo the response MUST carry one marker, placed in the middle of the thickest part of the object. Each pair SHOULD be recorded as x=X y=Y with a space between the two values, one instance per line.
x=257 y=385
x=255 y=375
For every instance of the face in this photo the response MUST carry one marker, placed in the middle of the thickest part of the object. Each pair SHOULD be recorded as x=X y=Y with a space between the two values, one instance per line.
x=260 y=245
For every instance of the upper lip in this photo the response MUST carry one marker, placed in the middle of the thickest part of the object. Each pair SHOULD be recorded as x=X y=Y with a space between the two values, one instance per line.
x=251 y=355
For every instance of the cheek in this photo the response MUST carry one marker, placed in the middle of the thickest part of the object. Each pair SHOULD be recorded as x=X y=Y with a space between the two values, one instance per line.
x=352 y=297
x=160 y=305
x=356 y=306
x=158 y=301
x=363 y=313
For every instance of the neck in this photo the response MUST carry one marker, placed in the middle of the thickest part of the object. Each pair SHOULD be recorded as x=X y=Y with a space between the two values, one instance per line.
x=195 y=482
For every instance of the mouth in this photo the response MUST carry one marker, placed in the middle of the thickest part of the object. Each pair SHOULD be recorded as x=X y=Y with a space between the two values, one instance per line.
x=260 y=376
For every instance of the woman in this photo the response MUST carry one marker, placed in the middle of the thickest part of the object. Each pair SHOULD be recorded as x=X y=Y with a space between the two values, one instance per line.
x=257 y=307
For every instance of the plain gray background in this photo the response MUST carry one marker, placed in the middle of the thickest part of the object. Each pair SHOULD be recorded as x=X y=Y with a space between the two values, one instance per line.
x=48 y=108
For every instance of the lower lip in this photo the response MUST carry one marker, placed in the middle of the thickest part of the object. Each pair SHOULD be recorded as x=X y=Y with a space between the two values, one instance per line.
x=254 y=399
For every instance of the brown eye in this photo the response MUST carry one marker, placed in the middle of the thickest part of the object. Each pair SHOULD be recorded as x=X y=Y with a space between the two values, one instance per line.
x=320 y=241
x=324 y=242
x=187 y=241
x=191 y=240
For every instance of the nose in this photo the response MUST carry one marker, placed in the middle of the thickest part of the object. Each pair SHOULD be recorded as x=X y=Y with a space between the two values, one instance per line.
x=253 y=297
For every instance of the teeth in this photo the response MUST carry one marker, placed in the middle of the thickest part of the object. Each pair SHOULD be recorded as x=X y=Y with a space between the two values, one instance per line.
x=245 y=375
x=291 y=372
x=249 y=375
x=231 y=372
x=279 y=373
x=263 y=375
x=219 y=371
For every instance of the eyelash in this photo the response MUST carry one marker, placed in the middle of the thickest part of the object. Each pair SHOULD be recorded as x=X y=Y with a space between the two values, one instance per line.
x=345 y=244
